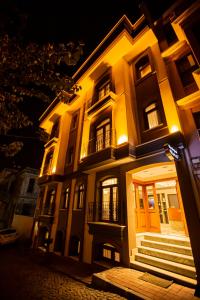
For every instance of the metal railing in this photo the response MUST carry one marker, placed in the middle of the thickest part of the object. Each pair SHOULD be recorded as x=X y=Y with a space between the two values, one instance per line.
x=105 y=212
x=101 y=141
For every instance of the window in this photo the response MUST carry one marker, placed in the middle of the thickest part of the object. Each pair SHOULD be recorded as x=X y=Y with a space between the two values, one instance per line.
x=50 y=202
x=110 y=253
x=79 y=197
x=55 y=129
x=143 y=67
x=103 y=135
x=152 y=116
x=169 y=33
x=74 y=121
x=185 y=66
x=70 y=155
x=31 y=184
x=66 y=197
x=109 y=200
x=173 y=201
x=48 y=162
x=104 y=90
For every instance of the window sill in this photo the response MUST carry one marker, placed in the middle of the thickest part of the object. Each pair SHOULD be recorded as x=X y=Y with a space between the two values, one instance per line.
x=52 y=141
x=152 y=129
x=138 y=81
x=101 y=104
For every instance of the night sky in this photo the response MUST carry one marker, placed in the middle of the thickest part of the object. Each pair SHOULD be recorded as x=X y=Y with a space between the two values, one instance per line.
x=63 y=21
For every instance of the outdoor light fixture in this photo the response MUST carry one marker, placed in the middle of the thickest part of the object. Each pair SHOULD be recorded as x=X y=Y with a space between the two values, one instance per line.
x=122 y=139
x=174 y=128
x=54 y=169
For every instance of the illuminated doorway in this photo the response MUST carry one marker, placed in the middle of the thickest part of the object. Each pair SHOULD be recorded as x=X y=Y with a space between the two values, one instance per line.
x=157 y=198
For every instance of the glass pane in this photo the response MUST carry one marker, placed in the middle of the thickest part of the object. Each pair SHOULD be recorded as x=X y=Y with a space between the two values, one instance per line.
x=117 y=256
x=105 y=204
x=141 y=200
x=115 y=204
x=107 y=253
x=107 y=135
x=99 y=139
x=173 y=201
x=153 y=119
x=110 y=181
x=145 y=70
x=151 y=202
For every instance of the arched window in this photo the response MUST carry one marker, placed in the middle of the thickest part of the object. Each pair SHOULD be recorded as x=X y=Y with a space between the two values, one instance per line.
x=103 y=135
x=79 y=196
x=109 y=200
x=66 y=197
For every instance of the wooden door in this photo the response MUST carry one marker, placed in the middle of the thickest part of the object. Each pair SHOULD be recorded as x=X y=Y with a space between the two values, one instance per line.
x=140 y=208
x=153 y=216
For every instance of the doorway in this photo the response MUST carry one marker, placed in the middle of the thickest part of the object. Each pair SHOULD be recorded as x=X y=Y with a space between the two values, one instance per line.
x=157 y=198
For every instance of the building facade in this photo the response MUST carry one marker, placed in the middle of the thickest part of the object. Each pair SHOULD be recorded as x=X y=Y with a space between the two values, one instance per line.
x=123 y=157
x=18 y=195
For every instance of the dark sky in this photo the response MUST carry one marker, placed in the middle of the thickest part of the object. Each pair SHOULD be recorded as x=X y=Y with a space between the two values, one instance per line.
x=62 y=21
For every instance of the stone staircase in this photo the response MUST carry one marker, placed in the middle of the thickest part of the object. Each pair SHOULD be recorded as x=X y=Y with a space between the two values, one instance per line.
x=167 y=257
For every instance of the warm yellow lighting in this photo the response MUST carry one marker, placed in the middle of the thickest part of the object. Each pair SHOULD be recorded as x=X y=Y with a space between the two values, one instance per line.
x=54 y=169
x=174 y=128
x=83 y=155
x=122 y=139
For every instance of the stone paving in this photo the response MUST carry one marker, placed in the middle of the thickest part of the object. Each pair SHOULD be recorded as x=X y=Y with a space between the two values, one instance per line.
x=125 y=278
x=22 y=277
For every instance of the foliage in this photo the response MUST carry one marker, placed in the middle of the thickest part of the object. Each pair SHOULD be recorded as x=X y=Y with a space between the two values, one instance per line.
x=31 y=70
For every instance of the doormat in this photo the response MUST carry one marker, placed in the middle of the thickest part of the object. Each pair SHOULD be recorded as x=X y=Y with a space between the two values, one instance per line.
x=156 y=280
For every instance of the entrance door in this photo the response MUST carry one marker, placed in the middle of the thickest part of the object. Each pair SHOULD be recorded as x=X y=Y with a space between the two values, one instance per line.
x=146 y=208
x=152 y=208
x=140 y=209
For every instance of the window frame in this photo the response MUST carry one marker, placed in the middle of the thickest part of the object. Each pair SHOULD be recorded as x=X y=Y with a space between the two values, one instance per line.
x=113 y=216
x=79 y=196
x=99 y=127
x=66 y=195
x=150 y=111
x=48 y=162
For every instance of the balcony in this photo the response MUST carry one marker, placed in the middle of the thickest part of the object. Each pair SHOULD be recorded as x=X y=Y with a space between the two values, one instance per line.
x=100 y=104
x=100 y=149
x=103 y=213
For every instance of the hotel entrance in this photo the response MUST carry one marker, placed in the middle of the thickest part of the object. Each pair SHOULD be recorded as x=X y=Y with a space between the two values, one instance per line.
x=157 y=198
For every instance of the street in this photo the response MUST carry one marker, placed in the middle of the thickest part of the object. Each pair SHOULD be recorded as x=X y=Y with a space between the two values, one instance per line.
x=24 y=277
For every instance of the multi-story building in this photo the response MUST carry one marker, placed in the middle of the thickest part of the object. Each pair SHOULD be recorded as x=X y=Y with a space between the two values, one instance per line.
x=23 y=201
x=18 y=194
x=123 y=159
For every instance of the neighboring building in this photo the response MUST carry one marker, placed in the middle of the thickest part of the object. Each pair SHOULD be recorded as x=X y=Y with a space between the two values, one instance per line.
x=7 y=182
x=123 y=159
x=24 y=201
x=19 y=191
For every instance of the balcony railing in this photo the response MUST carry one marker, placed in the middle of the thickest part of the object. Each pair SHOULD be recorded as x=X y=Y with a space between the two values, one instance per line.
x=104 y=212
x=102 y=141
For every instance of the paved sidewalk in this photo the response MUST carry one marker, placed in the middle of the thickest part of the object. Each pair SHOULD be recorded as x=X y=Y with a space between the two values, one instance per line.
x=82 y=272
x=125 y=281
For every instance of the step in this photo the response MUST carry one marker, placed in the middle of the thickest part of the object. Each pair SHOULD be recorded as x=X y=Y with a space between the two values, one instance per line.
x=168 y=240
x=180 y=279
x=176 y=257
x=167 y=265
x=167 y=247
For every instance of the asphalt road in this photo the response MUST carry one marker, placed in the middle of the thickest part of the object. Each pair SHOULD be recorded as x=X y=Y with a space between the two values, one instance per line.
x=24 y=277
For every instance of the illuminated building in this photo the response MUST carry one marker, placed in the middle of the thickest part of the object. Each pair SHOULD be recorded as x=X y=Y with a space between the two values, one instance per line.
x=122 y=162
